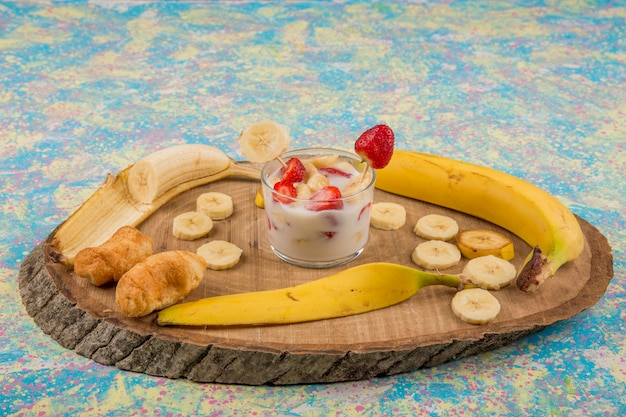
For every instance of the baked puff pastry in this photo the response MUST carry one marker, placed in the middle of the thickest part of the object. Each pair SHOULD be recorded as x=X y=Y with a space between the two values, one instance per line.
x=160 y=281
x=109 y=261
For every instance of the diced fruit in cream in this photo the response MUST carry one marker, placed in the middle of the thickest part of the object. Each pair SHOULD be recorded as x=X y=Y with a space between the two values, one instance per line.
x=286 y=190
x=322 y=223
x=328 y=198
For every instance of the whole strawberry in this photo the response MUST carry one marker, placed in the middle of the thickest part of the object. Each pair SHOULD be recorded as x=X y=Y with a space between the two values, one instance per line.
x=375 y=146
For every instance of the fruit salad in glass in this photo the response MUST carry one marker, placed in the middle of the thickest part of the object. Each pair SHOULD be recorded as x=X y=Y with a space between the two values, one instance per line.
x=317 y=200
x=317 y=206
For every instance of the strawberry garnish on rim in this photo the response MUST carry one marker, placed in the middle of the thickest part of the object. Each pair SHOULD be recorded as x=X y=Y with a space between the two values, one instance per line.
x=293 y=170
x=286 y=190
x=375 y=146
x=327 y=198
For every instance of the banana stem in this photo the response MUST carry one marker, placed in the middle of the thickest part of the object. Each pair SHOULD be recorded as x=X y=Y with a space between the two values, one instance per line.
x=245 y=171
x=429 y=278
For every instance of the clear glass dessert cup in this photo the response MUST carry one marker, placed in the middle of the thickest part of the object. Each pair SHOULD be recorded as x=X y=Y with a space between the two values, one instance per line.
x=320 y=233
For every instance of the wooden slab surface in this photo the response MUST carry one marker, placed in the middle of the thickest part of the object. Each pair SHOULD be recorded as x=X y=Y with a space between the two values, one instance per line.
x=419 y=332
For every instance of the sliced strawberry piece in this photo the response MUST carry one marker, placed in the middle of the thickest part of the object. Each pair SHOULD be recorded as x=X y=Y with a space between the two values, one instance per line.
x=327 y=198
x=331 y=219
x=375 y=145
x=335 y=171
x=287 y=189
x=364 y=210
x=328 y=235
x=294 y=171
x=270 y=224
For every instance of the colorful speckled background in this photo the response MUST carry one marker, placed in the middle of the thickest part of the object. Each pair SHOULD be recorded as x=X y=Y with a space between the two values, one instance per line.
x=533 y=88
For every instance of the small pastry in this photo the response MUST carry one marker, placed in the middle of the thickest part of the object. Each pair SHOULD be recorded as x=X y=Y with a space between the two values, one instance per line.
x=160 y=281
x=112 y=259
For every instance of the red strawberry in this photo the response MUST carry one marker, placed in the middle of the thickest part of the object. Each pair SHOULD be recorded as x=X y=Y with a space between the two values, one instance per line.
x=335 y=171
x=327 y=198
x=375 y=146
x=294 y=171
x=286 y=188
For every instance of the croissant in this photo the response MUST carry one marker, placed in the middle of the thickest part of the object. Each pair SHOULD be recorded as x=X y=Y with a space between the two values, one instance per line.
x=160 y=281
x=109 y=261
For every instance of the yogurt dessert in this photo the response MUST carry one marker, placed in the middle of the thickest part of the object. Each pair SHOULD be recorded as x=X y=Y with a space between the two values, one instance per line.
x=317 y=200
x=317 y=206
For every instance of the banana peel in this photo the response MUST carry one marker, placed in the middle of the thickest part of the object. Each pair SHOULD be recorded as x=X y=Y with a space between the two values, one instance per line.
x=355 y=290
x=93 y=223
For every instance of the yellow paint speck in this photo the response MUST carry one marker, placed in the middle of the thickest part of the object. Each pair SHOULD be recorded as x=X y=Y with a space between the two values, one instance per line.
x=188 y=53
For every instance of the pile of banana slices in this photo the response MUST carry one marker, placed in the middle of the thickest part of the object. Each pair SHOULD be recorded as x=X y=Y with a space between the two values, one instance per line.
x=192 y=225
x=489 y=253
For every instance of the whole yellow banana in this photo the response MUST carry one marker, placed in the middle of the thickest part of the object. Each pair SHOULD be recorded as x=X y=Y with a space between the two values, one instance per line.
x=534 y=215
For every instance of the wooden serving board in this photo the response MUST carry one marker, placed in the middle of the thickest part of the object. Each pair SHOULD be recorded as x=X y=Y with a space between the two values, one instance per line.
x=420 y=332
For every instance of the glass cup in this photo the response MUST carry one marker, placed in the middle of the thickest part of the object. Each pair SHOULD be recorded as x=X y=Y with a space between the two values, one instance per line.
x=320 y=233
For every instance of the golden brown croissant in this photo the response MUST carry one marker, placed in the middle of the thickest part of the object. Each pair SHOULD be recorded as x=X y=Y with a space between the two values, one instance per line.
x=109 y=261
x=160 y=281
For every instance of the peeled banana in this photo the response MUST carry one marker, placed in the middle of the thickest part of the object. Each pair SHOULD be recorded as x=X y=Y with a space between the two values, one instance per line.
x=114 y=205
x=158 y=172
x=534 y=215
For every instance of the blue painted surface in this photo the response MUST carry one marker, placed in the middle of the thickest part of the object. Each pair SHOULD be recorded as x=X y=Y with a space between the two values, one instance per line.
x=536 y=89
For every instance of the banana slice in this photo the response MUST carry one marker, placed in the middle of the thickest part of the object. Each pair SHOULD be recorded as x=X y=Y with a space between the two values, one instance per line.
x=475 y=306
x=309 y=169
x=263 y=141
x=324 y=160
x=490 y=272
x=436 y=227
x=317 y=181
x=387 y=216
x=191 y=225
x=436 y=254
x=259 y=200
x=475 y=243
x=220 y=254
x=217 y=206
x=357 y=183
x=303 y=191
